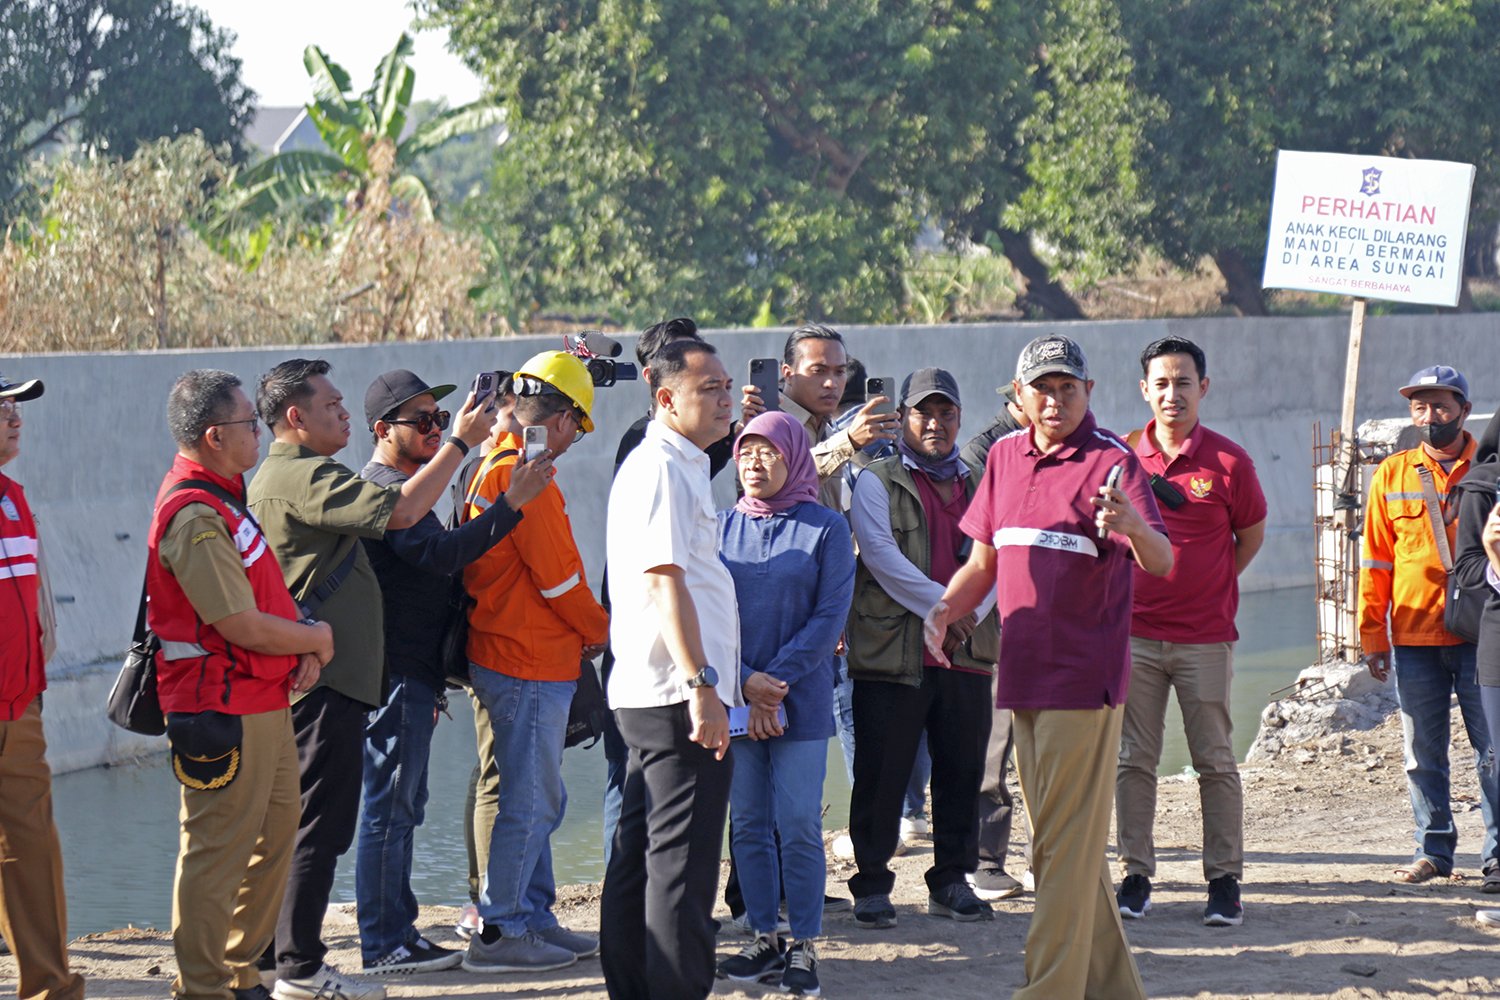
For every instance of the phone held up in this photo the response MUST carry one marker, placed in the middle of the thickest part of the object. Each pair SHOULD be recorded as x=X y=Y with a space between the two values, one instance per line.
x=535 y=443
x=765 y=375
x=484 y=387
x=882 y=386
x=1110 y=482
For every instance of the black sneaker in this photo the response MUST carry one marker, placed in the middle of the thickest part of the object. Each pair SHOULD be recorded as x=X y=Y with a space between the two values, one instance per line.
x=836 y=904
x=993 y=883
x=874 y=912
x=1134 y=897
x=957 y=901
x=800 y=976
x=1224 y=909
x=419 y=956
x=760 y=962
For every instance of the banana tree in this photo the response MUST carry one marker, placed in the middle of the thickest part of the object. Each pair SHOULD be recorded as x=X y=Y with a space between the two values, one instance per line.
x=367 y=166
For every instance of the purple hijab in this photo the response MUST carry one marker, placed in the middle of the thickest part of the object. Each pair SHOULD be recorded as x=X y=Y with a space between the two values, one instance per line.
x=790 y=440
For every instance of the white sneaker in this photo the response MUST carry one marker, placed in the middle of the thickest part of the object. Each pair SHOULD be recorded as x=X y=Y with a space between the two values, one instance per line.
x=1490 y=917
x=842 y=847
x=1028 y=881
x=913 y=826
x=327 y=983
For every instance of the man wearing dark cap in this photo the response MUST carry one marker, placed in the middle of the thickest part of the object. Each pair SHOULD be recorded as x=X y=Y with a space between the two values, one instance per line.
x=905 y=515
x=315 y=511
x=33 y=912
x=1062 y=515
x=416 y=568
x=1408 y=546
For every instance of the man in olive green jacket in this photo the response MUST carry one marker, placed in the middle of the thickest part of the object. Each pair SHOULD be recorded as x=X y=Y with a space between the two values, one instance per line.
x=905 y=515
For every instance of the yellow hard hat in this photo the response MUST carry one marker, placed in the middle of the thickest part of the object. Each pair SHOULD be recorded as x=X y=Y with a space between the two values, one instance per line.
x=565 y=374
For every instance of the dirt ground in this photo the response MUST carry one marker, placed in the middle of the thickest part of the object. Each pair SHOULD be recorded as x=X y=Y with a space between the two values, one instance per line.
x=1325 y=826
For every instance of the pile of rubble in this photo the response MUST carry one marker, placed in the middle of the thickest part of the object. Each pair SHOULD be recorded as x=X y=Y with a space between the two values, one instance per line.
x=1324 y=704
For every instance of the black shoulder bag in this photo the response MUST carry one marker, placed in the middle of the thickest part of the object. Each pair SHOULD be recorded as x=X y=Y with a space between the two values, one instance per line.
x=453 y=653
x=1462 y=606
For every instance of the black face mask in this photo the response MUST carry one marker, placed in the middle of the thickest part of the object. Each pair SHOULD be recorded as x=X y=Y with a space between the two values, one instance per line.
x=1440 y=436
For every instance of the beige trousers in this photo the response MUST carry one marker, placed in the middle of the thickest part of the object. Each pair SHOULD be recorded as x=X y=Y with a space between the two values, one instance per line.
x=232 y=863
x=1201 y=675
x=33 y=912
x=1075 y=947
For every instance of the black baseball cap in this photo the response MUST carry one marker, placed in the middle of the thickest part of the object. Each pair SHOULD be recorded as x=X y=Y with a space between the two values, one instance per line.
x=390 y=391
x=20 y=391
x=1052 y=354
x=926 y=382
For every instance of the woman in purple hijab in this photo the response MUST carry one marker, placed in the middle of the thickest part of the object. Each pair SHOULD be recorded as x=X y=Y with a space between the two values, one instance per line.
x=793 y=566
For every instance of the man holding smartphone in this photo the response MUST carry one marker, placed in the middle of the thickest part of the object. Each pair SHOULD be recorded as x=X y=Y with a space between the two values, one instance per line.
x=534 y=621
x=1182 y=630
x=415 y=567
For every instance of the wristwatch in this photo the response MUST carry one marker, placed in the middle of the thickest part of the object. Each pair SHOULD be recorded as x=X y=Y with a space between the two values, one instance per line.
x=706 y=677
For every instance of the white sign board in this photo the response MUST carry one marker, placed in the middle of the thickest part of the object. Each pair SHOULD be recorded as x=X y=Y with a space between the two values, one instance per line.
x=1374 y=227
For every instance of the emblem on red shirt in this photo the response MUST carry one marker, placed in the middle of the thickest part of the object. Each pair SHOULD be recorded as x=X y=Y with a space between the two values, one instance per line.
x=1201 y=487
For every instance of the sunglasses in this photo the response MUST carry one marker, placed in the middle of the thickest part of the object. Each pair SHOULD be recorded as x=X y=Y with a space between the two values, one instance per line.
x=427 y=421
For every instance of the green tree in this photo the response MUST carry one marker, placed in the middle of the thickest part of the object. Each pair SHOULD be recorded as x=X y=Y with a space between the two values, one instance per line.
x=369 y=161
x=726 y=159
x=1240 y=79
x=112 y=73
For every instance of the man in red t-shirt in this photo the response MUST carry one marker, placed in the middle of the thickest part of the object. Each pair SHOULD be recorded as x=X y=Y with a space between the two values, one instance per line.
x=1182 y=632
x=33 y=915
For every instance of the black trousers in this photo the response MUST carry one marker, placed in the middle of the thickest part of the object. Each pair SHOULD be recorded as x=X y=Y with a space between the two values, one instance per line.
x=330 y=729
x=953 y=707
x=656 y=937
x=997 y=810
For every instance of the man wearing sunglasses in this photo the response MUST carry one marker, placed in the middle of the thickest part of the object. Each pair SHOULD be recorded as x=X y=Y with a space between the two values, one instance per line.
x=415 y=567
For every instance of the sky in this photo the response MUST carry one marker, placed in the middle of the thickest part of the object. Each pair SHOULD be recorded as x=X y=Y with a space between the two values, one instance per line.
x=353 y=33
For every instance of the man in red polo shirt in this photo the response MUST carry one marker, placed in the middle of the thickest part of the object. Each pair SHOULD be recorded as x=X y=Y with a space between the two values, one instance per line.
x=1182 y=636
x=1062 y=515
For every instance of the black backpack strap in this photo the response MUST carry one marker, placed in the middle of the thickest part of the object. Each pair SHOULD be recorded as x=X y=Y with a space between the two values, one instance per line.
x=314 y=601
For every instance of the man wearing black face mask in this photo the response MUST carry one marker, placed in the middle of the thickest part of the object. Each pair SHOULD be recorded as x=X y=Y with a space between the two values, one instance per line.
x=1403 y=574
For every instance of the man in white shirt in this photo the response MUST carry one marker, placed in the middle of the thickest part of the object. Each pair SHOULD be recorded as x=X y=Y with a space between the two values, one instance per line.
x=675 y=634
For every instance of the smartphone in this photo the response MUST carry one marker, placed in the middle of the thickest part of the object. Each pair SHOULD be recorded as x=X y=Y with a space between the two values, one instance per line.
x=483 y=388
x=536 y=442
x=883 y=386
x=765 y=375
x=1110 y=482
x=739 y=720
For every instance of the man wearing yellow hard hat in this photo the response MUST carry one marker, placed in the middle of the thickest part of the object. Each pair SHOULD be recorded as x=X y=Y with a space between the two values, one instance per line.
x=533 y=621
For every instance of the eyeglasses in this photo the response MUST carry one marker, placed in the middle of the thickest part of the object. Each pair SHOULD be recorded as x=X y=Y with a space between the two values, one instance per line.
x=426 y=421
x=9 y=408
x=577 y=416
x=254 y=423
x=764 y=457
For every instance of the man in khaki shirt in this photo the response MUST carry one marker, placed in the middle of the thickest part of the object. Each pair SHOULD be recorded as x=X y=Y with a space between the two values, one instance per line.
x=314 y=511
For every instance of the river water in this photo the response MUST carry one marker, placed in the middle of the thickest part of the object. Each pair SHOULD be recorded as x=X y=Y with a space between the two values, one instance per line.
x=119 y=825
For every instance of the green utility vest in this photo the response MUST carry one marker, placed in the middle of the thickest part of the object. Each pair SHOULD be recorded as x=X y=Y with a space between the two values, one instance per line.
x=885 y=639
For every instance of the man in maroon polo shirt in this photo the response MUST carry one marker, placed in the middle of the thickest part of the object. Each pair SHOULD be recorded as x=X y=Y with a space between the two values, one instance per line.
x=1062 y=515
x=1182 y=636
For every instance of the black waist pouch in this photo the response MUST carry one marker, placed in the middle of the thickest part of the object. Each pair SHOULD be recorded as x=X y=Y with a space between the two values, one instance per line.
x=205 y=748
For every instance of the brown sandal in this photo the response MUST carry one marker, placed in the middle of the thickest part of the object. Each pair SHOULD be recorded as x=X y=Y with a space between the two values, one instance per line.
x=1420 y=870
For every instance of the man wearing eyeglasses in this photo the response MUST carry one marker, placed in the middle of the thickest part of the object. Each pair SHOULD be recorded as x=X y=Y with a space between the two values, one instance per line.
x=533 y=622
x=33 y=913
x=415 y=567
x=315 y=511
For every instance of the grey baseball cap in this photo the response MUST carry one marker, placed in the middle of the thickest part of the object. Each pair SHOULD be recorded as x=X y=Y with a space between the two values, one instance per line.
x=926 y=382
x=1051 y=354
x=1437 y=377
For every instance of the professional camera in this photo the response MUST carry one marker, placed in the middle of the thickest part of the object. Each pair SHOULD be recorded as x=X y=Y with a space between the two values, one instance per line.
x=597 y=352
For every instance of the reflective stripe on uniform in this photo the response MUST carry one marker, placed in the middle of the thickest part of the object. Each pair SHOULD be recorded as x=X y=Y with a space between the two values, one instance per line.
x=182 y=650
x=561 y=588
x=1395 y=497
x=16 y=546
x=19 y=569
x=1375 y=564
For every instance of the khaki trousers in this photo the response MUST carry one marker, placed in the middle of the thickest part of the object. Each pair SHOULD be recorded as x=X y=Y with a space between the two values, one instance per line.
x=1201 y=675
x=33 y=911
x=232 y=863
x=484 y=799
x=1075 y=947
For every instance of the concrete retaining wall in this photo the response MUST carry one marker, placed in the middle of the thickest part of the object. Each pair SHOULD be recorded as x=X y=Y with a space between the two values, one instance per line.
x=95 y=447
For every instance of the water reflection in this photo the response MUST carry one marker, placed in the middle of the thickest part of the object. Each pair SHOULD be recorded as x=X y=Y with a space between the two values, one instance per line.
x=119 y=825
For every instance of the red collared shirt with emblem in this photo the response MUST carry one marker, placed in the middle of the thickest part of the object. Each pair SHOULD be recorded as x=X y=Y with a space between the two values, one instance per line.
x=21 y=663
x=1197 y=601
x=1064 y=594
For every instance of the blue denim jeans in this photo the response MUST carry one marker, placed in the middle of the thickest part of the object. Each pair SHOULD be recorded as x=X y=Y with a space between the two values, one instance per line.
x=915 y=803
x=398 y=738
x=615 y=755
x=529 y=720
x=778 y=788
x=1427 y=677
x=843 y=713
